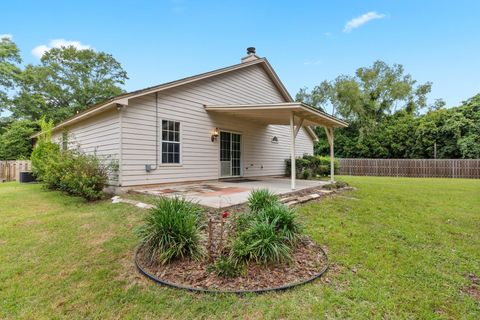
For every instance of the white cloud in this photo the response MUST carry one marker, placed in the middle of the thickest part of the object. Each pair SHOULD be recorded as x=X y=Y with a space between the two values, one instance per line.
x=6 y=35
x=38 y=51
x=361 y=20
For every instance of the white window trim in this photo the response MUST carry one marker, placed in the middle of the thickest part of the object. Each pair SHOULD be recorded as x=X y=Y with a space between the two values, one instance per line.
x=180 y=164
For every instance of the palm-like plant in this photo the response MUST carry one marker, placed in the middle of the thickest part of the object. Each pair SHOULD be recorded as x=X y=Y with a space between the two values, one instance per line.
x=260 y=199
x=171 y=230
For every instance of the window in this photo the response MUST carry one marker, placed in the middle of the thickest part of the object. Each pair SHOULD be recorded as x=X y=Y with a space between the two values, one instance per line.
x=170 y=141
x=64 y=140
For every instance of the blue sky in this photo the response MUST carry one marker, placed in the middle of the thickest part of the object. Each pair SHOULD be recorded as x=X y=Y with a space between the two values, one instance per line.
x=306 y=41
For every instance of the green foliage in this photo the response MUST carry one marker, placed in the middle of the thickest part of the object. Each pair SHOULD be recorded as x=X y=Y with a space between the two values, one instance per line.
x=66 y=81
x=9 y=70
x=454 y=131
x=336 y=185
x=77 y=174
x=171 y=230
x=70 y=171
x=307 y=174
x=15 y=141
x=382 y=105
x=311 y=166
x=261 y=198
x=225 y=267
x=267 y=233
x=261 y=243
x=46 y=129
x=44 y=155
x=284 y=219
x=371 y=94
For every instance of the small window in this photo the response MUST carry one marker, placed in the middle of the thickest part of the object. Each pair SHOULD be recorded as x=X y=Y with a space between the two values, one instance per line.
x=64 y=140
x=170 y=141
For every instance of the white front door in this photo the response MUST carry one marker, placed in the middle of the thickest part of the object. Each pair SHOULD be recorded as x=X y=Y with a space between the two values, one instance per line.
x=230 y=154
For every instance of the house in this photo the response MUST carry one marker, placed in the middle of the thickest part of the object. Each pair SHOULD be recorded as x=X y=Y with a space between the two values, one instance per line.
x=237 y=121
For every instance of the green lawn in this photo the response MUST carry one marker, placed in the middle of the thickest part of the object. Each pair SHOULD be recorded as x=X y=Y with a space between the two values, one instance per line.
x=400 y=248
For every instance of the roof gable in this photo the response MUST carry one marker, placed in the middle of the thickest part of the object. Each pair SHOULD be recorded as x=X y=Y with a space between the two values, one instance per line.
x=123 y=99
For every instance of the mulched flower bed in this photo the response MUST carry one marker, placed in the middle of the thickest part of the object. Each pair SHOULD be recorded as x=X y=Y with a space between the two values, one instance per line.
x=309 y=262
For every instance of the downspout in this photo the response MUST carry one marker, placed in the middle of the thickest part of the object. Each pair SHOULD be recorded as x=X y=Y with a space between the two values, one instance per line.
x=148 y=167
x=293 y=167
x=120 y=148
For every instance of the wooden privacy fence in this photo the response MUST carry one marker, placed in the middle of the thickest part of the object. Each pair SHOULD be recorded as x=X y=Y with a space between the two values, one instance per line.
x=437 y=168
x=10 y=170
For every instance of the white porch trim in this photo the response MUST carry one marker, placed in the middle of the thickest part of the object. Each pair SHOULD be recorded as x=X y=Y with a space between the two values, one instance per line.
x=294 y=114
x=329 y=132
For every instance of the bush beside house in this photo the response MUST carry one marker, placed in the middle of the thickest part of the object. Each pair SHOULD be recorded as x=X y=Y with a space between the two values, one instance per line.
x=69 y=171
x=308 y=166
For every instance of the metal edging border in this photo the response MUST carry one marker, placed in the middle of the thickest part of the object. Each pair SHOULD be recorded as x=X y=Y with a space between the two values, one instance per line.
x=239 y=292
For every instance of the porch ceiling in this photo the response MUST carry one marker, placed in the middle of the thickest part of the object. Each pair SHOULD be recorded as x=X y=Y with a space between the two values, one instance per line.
x=279 y=113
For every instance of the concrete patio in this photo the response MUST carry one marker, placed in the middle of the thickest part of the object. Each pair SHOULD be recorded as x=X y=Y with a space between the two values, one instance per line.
x=220 y=194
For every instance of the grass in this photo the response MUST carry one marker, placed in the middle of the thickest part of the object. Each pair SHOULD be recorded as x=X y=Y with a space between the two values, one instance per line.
x=400 y=248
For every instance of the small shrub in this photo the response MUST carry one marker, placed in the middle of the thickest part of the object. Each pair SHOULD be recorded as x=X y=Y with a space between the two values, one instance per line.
x=323 y=170
x=284 y=219
x=70 y=171
x=43 y=155
x=316 y=165
x=341 y=184
x=260 y=199
x=261 y=243
x=336 y=185
x=307 y=174
x=241 y=220
x=171 y=230
x=77 y=174
x=225 y=267
x=55 y=171
x=267 y=233
x=83 y=175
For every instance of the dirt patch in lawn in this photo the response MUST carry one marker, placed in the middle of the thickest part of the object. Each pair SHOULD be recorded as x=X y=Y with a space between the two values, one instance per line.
x=473 y=290
x=308 y=261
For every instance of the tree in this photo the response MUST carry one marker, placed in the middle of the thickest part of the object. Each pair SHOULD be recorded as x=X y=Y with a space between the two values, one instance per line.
x=66 y=82
x=15 y=141
x=318 y=97
x=373 y=93
x=368 y=100
x=9 y=70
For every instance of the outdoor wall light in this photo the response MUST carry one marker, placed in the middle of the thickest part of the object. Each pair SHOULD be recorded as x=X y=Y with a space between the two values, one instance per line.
x=215 y=134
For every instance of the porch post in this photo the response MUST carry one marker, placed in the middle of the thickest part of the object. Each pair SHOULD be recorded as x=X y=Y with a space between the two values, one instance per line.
x=292 y=149
x=332 y=155
x=329 y=132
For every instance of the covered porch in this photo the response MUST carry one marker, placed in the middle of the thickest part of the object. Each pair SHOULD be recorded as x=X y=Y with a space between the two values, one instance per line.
x=294 y=114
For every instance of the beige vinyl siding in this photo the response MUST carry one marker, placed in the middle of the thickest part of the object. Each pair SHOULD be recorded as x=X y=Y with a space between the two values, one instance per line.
x=200 y=156
x=98 y=135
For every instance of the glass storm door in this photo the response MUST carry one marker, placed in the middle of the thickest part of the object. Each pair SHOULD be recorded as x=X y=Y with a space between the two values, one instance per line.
x=230 y=154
